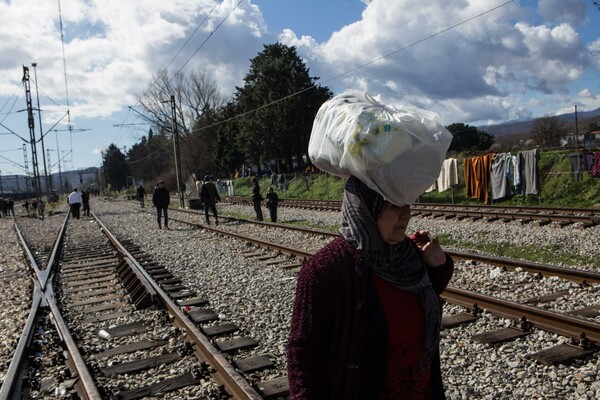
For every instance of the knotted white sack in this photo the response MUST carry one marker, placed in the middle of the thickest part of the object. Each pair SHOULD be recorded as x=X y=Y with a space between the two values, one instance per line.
x=396 y=151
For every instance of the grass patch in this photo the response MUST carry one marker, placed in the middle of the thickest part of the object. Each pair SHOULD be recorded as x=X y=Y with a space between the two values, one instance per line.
x=550 y=254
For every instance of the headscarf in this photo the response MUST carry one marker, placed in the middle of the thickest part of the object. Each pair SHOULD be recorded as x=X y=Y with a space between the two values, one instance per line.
x=399 y=264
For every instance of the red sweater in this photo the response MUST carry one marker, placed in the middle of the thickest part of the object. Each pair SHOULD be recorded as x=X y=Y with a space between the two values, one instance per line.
x=405 y=321
x=338 y=344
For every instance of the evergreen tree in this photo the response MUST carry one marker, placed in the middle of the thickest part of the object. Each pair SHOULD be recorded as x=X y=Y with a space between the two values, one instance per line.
x=281 y=100
x=469 y=138
x=115 y=167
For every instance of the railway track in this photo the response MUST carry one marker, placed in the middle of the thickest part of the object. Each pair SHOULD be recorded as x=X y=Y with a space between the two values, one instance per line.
x=270 y=259
x=130 y=329
x=539 y=216
x=580 y=325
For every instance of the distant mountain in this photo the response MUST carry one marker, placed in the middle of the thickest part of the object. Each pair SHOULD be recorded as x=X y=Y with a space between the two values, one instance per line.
x=525 y=126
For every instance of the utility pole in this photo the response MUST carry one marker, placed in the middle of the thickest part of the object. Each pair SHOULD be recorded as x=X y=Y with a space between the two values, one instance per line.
x=36 y=173
x=176 y=149
x=37 y=94
x=50 y=165
x=576 y=128
x=59 y=169
x=26 y=173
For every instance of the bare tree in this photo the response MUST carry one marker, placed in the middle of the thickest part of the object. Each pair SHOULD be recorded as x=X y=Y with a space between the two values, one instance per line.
x=195 y=95
x=547 y=131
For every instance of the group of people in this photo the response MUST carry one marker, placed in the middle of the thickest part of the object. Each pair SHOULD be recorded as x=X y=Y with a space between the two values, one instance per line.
x=271 y=201
x=366 y=318
x=76 y=200
x=7 y=207
x=209 y=197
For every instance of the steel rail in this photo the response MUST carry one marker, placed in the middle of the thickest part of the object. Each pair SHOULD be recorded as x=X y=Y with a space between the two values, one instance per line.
x=530 y=209
x=558 y=323
x=226 y=374
x=86 y=384
x=503 y=215
x=570 y=274
x=290 y=251
x=549 y=321
x=12 y=380
x=575 y=275
x=590 y=216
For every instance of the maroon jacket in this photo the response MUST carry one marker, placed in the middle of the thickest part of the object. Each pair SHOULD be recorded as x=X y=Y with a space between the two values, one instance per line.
x=337 y=347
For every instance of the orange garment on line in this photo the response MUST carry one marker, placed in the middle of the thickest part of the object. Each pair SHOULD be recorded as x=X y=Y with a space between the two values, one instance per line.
x=477 y=176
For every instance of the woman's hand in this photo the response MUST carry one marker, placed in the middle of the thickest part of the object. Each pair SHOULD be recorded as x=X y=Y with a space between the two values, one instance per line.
x=432 y=252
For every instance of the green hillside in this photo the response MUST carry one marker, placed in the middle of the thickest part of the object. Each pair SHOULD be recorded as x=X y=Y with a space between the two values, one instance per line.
x=559 y=188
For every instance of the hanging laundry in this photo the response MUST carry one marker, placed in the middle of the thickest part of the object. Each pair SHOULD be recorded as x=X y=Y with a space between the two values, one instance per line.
x=586 y=162
x=448 y=175
x=477 y=171
x=596 y=165
x=530 y=175
x=432 y=187
x=498 y=177
x=516 y=182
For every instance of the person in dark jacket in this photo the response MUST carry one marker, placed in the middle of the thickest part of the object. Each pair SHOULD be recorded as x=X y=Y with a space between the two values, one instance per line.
x=161 y=200
x=271 y=203
x=366 y=317
x=209 y=196
x=141 y=195
x=256 y=198
x=85 y=200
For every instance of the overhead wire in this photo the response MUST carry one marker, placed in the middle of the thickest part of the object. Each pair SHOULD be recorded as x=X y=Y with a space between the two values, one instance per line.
x=454 y=26
x=207 y=38
x=62 y=40
x=356 y=68
x=16 y=97
x=192 y=35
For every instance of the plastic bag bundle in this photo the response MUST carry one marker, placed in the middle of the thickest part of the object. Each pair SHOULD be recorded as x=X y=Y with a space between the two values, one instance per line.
x=398 y=152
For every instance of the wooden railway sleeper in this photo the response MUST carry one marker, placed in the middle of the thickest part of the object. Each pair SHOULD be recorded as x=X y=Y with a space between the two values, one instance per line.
x=142 y=294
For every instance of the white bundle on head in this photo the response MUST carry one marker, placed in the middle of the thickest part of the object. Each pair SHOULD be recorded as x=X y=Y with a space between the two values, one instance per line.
x=396 y=151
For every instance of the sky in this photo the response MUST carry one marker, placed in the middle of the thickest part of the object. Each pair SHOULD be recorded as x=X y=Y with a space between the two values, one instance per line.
x=477 y=62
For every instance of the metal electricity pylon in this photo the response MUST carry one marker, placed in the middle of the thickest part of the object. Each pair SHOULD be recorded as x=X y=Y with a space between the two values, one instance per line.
x=31 y=123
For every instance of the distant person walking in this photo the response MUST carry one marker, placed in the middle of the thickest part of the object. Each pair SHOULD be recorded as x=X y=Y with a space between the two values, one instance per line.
x=141 y=195
x=271 y=203
x=209 y=196
x=9 y=207
x=85 y=199
x=74 y=200
x=161 y=200
x=256 y=198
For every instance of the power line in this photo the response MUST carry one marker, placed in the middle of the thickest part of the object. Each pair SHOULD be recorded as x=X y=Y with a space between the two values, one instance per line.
x=62 y=40
x=206 y=40
x=192 y=35
x=16 y=97
x=358 y=67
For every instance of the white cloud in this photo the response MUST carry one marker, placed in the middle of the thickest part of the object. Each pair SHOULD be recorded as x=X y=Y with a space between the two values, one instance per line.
x=571 y=11
x=586 y=93
x=113 y=47
x=478 y=71
x=477 y=65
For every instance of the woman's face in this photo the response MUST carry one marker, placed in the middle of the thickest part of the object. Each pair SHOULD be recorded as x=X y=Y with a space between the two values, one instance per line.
x=392 y=222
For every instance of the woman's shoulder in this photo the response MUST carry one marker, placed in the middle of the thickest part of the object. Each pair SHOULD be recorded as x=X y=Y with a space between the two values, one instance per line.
x=338 y=253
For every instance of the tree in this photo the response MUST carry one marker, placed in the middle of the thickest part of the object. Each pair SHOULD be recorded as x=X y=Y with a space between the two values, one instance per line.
x=115 y=167
x=547 y=131
x=469 y=138
x=279 y=101
x=148 y=159
x=195 y=94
